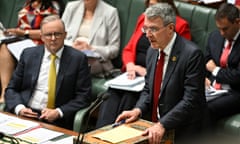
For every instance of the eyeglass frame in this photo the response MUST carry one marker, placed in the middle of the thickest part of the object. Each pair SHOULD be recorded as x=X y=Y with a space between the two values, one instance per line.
x=153 y=29
x=57 y=35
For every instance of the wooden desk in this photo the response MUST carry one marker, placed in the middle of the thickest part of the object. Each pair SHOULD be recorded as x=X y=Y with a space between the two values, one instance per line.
x=66 y=132
x=140 y=125
x=48 y=126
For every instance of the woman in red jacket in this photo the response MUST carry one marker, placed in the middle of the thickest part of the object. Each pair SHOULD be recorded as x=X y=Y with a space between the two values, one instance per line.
x=133 y=58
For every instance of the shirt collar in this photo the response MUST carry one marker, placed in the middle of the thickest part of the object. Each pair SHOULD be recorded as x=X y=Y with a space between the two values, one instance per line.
x=167 y=50
x=58 y=54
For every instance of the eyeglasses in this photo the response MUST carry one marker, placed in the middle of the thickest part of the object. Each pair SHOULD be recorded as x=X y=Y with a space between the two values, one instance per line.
x=151 y=29
x=57 y=35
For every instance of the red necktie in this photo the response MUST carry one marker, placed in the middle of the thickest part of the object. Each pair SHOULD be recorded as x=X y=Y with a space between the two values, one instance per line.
x=237 y=2
x=157 y=85
x=223 y=60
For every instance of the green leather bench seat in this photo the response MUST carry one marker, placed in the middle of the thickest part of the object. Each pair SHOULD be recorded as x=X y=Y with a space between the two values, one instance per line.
x=201 y=21
x=230 y=125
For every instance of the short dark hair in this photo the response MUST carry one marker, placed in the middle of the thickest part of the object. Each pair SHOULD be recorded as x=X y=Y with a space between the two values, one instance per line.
x=227 y=10
x=171 y=2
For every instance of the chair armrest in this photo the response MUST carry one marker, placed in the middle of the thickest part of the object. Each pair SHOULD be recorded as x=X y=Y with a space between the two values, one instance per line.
x=230 y=125
x=80 y=119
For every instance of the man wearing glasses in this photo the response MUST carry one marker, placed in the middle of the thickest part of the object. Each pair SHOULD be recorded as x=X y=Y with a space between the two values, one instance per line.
x=174 y=84
x=51 y=82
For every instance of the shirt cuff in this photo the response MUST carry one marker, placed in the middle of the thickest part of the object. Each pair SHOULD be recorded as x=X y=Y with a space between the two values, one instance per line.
x=215 y=71
x=60 y=112
x=18 y=108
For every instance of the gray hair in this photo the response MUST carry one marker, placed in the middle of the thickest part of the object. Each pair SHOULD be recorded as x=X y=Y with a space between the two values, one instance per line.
x=162 y=10
x=51 y=18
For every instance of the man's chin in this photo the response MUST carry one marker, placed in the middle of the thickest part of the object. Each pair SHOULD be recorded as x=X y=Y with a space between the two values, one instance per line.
x=154 y=46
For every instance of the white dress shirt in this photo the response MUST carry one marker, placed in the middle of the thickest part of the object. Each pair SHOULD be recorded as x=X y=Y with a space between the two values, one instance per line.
x=39 y=99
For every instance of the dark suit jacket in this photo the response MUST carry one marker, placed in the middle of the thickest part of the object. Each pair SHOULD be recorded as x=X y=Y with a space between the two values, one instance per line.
x=73 y=89
x=182 y=99
x=231 y=74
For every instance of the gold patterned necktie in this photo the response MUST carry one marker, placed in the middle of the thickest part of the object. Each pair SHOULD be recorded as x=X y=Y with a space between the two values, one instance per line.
x=52 y=83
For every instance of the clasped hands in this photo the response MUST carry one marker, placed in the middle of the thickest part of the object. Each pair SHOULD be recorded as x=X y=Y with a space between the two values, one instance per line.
x=48 y=115
x=154 y=133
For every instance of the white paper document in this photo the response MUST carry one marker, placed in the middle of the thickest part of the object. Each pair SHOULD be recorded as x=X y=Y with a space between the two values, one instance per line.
x=16 y=48
x=122 y=82
x=210 y=1
x=118 y=134
x=39 y=135
x=211 y=93
x=16 y=125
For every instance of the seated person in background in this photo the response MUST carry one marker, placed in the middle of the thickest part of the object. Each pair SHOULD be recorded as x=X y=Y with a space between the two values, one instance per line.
x=174 y=83
x=93 y=25
x=29 y=18
x=133 y=57
x=35 y=93
x=235 y=2
x=223 y=63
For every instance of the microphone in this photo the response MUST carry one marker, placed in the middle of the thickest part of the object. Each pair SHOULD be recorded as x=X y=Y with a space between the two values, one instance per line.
x=100 y=99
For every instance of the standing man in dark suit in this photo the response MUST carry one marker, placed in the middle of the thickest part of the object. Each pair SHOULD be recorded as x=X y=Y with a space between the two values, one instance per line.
x=28 y=91
x=180 y=101
x=223 y=62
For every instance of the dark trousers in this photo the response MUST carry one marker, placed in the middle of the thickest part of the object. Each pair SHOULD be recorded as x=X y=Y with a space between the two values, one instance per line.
x=118 y=101
x=223 y=106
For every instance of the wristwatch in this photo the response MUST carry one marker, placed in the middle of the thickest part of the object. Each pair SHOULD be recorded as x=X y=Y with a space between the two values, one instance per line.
x=26 y=33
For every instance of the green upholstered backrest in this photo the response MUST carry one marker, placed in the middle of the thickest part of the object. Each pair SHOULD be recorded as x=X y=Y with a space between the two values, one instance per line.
x=137 y=8
x=201 y=21
x=129 y=10
x=124 y=7
x=9 y=12
x=6 y=12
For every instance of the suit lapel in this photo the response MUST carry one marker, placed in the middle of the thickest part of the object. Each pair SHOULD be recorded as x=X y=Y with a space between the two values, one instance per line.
x=218 y=49
x=172 y=62
x=78 y=17
x=64 y=63
x=36 y=64
x=154 y=59
x=235 y=50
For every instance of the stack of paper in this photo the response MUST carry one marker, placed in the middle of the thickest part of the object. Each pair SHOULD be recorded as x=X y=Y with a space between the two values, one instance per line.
x=122 y=82
x=13 y=125
x=17 y=48
x=39 y=135
x=211 y=93
x=118 y=134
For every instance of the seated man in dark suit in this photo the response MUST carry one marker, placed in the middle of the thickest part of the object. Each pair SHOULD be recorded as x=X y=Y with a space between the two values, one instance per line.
x=174 y=84
x=47 y=89
x=223 y=63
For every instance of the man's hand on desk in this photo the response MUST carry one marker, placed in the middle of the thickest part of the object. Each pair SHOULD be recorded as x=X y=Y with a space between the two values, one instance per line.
x=27 y=112
x=49 y=115
x=129 y=116
x=155 y=133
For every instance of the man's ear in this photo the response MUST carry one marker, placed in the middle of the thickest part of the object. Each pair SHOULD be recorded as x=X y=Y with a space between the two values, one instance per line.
x=171 y=26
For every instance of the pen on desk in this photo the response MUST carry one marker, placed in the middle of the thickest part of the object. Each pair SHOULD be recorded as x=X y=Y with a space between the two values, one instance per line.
x=118 y=123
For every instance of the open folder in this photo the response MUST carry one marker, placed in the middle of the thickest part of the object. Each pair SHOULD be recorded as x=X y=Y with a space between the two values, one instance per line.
x=122 y=82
